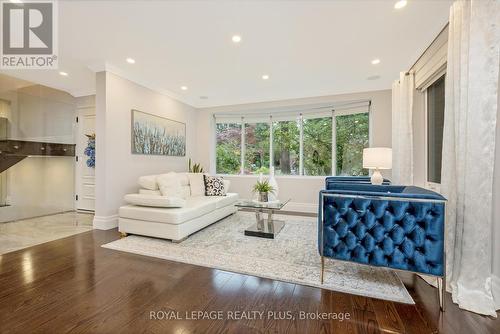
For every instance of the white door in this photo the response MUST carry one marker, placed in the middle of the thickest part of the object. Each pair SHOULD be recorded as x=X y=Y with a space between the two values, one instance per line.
x=85 y=176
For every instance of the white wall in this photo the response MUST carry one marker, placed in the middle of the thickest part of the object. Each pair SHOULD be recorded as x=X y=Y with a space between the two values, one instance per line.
x=38 y=186
x=117 y=169
x=303 y=191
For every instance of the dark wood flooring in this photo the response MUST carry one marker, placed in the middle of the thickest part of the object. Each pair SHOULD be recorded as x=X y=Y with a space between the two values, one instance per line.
x=74 y=285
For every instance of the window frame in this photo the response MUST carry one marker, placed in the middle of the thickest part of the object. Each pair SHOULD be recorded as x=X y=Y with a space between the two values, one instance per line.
x=243 y=121
x=434 y=186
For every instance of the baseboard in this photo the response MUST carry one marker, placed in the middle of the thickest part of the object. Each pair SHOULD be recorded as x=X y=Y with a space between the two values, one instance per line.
x=301 y=207
x=495 y=289
x=105 y=222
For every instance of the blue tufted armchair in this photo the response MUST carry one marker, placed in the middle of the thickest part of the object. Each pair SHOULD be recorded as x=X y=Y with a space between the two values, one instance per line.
x=396 y=227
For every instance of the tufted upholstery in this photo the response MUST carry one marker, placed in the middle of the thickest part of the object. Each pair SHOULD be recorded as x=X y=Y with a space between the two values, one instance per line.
x=329 y=181
x=389 y=226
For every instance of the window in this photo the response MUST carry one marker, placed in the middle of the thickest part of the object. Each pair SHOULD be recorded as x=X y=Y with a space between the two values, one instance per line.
x=435 y=123
x=317 y=146
x=351 y=138
x=286 y=141
x=257 y=148
x=307 y=144
x=228 y=144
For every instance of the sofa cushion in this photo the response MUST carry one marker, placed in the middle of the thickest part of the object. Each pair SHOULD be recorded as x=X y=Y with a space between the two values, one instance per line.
x=149 y=192
x=169 y=185
x=155 y=201
x=222 y=201
x=195 y=207
x=196 y=184
x=185 y=191
x=148 y=182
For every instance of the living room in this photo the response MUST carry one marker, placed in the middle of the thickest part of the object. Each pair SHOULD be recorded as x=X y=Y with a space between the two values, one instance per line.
x=288 y=166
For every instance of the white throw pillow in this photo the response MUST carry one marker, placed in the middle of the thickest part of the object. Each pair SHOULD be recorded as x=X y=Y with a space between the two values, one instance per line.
x=148 y=182
x=155 y=201
x=149 y=192
x=227 y=183
x=197 y=184
x=169 y=185
x=183 y=178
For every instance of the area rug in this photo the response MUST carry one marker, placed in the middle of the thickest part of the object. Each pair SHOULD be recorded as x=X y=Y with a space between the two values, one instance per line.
x=291 y=257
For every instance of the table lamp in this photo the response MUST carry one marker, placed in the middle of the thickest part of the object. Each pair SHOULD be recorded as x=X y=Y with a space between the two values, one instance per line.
x=377 y=158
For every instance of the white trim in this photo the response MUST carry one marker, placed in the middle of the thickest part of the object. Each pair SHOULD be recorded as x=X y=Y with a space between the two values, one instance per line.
x=242 y=146
x=106 y=67
x=271 y=145
x=301 y=145
x=105 y=222
x=495 y=289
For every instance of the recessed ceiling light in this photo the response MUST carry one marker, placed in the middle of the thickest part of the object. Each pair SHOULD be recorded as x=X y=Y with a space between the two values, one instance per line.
x=375 y=61
x=265 y=77
x=130 y=60
x=184 y=87
x=400 y=4
x=236 y=38
x=64 y=74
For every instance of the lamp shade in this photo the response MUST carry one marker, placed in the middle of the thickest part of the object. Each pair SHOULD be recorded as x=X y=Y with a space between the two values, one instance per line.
x=377 y=158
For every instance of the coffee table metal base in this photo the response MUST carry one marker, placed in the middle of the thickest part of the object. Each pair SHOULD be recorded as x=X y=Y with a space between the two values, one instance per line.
x=265 y=229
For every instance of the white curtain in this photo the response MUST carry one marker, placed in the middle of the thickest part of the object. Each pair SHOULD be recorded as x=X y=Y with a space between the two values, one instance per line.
x=469 y=150
x=402 y=133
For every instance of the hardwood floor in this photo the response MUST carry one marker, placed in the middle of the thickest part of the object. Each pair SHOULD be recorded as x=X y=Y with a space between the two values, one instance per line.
x=74 y=285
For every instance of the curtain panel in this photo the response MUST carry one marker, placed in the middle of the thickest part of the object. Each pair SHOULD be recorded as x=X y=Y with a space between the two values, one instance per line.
x=469 y=150
x=402 y=133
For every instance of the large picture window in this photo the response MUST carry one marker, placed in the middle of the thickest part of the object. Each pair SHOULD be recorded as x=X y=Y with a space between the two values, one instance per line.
x=306 y=144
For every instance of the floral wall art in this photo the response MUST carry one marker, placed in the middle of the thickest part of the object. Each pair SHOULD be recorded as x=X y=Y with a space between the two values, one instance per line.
x=154 y=135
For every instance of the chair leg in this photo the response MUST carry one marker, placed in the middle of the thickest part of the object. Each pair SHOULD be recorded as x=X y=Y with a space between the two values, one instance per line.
x=441 y=283
x=322 y=268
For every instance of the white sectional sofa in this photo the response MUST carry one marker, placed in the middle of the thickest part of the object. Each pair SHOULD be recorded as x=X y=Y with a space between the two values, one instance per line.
x=176 y=223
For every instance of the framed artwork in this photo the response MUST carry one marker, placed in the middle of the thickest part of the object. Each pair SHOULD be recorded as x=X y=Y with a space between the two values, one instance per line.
x=155 y=135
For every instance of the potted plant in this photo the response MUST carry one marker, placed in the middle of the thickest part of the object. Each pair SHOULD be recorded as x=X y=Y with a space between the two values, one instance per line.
x=263 y=188
x=196 y=168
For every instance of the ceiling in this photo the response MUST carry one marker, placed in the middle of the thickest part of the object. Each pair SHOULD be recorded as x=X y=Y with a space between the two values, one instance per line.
x=308 y=48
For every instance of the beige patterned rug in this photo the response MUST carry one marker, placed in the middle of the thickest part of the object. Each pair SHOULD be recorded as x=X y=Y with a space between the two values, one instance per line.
x=291 y=257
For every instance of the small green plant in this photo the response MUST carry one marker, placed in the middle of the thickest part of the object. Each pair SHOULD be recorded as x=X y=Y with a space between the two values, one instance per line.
x=263 y=187
x=196 y=168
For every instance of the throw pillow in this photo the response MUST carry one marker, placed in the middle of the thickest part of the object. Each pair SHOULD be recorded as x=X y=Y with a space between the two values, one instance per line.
x=227 y=183
x=169 y=185
x=148 y=182
x=197 y=184
x=214 y=186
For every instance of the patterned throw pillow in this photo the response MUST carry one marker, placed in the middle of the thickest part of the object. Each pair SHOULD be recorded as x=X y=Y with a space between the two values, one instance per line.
x=214 y=186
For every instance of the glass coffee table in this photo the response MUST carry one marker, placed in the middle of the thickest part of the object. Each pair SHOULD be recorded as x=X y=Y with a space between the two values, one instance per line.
x=264 y=228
